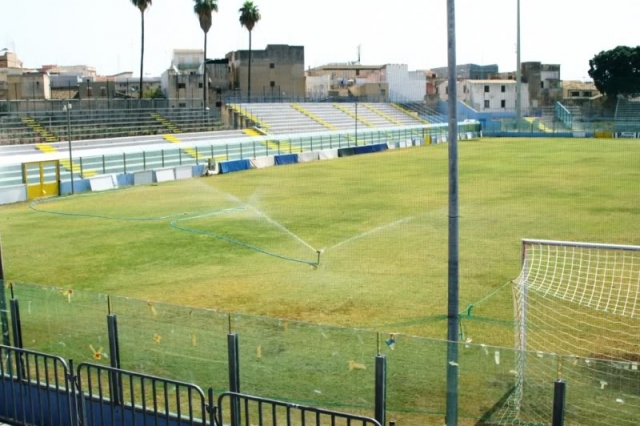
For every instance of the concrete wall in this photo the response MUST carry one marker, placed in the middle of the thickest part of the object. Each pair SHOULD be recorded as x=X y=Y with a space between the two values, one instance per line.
x=318 y=86
x=35 y=86
x=371 y=92
x=496 y=97
x=182 y=88
x=472 y=92
x=276 y=71
x=405 y=85
x=13 y=194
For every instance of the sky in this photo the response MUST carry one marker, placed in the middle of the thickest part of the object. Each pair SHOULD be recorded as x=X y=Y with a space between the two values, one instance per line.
x=106 y=33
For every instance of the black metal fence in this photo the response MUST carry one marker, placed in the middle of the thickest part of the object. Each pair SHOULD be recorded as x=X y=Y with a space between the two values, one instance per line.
x=253 y=410
x=41 y=389
x=35 y=388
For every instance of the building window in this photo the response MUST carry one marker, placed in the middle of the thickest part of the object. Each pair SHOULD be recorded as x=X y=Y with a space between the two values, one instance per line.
x=182 y=105
x=586 y=94
x=503 y=88
x=357 y=72
x=182 y=86
x=272 y=84
x=199 y=85
x=446 y=90
x=542 y=84
x=575 y=94
x=103 y=91
x=272 y=65
x=464 y=88
x=503 y=104
x=486 y=88
x=486 y=103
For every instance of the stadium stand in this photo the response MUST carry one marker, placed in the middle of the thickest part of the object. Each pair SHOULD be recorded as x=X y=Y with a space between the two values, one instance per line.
x=280 y=118
x=422 y=111
x=52 y=126
x=627 y=117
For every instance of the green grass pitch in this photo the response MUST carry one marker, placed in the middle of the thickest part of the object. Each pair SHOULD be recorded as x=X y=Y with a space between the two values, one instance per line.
x=247 y=243
x=242 y=242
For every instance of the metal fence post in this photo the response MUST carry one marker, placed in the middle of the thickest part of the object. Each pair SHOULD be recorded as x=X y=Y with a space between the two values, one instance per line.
x=381 y=389
x=15 y=323
x=211 y=407
x=76 y=400
x=4 y=318
x=115 y=385
x=17 y=336
x=234 y=376
x=559 y=394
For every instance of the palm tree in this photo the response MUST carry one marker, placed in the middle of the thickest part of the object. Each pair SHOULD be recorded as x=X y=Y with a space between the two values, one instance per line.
x=249 y=16
x=203 y=9
x=142 y=5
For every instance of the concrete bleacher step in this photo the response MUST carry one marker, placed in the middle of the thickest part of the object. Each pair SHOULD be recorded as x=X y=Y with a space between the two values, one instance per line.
x=383 y=115
x=190 y=151
x=410 y=113
x=166 y=123
x=49 y=149
x=274 y=145
x=248 y=115
x=353 y=115
x=34 y=125
x=77 y=169
x=313 y=116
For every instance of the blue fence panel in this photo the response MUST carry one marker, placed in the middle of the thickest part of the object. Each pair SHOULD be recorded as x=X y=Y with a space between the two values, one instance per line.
x=283 y=159
x=234 y=166
x=366 y=149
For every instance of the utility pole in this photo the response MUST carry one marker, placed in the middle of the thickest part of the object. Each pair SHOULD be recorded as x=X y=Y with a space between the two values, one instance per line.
x=518 y=74
x=453 y=266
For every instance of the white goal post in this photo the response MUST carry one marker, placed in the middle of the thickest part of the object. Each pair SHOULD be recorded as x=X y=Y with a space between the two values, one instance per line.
x=579 y=303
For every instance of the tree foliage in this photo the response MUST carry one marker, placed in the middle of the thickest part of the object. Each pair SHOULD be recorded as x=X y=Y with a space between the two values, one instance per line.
x=617 y=71
x=249 y=15
x=204 y=8
x=153 y=93
x=141 y=4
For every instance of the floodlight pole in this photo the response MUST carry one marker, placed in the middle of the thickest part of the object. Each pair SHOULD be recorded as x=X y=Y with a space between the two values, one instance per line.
x=518 y=73
x=453 y=302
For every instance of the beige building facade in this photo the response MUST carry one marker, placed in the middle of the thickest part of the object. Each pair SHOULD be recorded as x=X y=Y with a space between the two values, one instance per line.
x=276 y=72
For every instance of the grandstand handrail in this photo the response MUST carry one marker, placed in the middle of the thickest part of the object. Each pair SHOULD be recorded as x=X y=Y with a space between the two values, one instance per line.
x=563 y=114
x=428 y=113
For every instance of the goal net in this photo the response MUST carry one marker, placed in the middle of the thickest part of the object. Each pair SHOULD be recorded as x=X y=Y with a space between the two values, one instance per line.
x=577 y=314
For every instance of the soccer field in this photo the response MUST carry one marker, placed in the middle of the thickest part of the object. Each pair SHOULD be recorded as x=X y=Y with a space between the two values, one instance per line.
x=248 y=242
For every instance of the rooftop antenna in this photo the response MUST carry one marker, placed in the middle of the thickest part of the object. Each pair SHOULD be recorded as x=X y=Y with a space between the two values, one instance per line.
x=359 y=54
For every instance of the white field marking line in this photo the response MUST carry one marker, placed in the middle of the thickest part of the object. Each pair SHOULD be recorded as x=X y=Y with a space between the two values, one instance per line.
x=371 y=231
x=260 y=213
